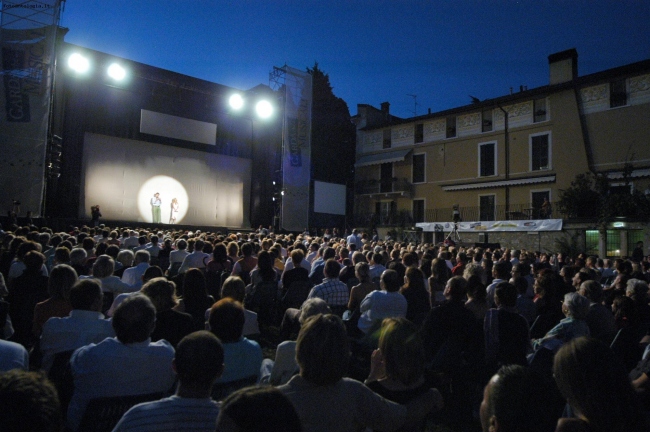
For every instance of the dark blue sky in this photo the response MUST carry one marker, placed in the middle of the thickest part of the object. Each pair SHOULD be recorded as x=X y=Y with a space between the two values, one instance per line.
x=373 y=51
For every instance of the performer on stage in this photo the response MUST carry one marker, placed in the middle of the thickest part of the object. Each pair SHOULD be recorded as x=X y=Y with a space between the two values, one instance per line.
x=95 y=214
x=174 y=211
x=155 y=207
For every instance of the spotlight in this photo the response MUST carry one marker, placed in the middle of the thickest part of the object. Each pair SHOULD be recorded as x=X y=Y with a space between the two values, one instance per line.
x=282 y=193
x=264 y=109
x=116 y=72
x=236 y=101
x=78 y=63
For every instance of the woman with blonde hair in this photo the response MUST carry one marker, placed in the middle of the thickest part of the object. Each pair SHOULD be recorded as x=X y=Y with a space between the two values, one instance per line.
x=173 y=211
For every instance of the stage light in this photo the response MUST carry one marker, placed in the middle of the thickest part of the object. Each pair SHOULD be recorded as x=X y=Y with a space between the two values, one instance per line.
x=264 y=109
x=282 y=193
x=78 y=63
x=116 y=72
x=236 y=101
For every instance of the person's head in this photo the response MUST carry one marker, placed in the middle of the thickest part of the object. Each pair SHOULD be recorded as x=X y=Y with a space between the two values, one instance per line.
x=390 y=281
x=161 y=292
x=247 y=249
x=414 y=278
x=501 y=270
x=332 y=268
x=62 y=255
x=592 y=290
x=322 y=350
x=77 y=256
x=362 y=271
x=103 y=267
x=234 y=288
x=456 y=288
x=476 y=289
x=595 y=383
x=29 y=402
x=199 y=360
x=194 y=283
x=297 y=256
x=402 y=350
x=517 y=399
x=62 y=277
x=505 y=295
x=548 y=284
x=521 y=284
x=141 y=256
x=134 y=319
x=637 y=289
x=312 y=307
x=86 y=294
x=125 y=257
x=151 y=272
x=258 y=408
x=34 y=261
x=182 y=244
x=227 y=320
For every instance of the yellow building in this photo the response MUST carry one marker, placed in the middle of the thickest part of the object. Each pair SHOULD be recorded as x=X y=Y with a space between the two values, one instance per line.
x=497 y=168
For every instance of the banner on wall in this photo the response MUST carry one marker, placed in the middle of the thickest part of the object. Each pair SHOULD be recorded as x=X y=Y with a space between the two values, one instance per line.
x=296 y=150
x=495 y=226
x=27 y=36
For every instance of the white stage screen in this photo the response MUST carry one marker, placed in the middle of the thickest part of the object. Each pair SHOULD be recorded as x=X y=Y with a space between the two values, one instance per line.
x=121 y=176
x=329 y=198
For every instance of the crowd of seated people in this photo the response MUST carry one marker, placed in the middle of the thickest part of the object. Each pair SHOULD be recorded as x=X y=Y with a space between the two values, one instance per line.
x=174 y=320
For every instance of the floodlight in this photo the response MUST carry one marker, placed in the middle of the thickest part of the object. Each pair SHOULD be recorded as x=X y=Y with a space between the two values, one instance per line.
x=282 y=193
x=116 y=72
x=236 y=101
x=78 y=63
x=264 y=109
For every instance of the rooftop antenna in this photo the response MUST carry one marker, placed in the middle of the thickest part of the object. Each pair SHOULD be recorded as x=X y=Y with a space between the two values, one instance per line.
x=415 y=104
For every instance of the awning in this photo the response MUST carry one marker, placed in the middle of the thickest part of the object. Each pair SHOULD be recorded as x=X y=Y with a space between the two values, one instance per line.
x=493 y=184
x=380 y=158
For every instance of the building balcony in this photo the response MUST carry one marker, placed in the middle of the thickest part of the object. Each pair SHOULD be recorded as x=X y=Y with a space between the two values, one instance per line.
x=385 y=187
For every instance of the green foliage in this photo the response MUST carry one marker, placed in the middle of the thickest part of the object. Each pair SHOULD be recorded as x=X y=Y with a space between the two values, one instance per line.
x=568 y=245
x=591 y=196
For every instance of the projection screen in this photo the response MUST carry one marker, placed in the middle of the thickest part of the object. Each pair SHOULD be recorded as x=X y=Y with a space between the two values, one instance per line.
x=122 y=176
x=329 y=198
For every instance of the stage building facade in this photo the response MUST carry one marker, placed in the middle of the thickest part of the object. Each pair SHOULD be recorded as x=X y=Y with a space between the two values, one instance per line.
x=118 y=142
x=499 y=170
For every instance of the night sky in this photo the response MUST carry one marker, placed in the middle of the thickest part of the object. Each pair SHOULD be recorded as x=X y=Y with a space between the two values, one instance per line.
x=374 y=51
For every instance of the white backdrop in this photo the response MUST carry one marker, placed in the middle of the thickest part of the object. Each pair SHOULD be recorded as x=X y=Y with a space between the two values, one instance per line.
x=121 y=176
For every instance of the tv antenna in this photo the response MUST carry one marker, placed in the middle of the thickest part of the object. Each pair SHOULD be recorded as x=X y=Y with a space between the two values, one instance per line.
x=415 y=104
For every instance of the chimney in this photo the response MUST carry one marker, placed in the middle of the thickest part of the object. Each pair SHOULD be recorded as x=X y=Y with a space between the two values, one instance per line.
x=563 y=66
x=385 y=109
x=429 y=110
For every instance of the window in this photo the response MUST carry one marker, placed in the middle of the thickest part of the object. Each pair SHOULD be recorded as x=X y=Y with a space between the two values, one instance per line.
x=419 y=133
x=540 y=152
x=540 y=210
x=539 y=110
x=487 y=161
x=385 y=210
x=387 y=142
x=418 y=211
x=451 y=127
x=419 y=170
x=386 y=178
x=617 y=94
x=487 y=207
x=621 y=188
x=487 y=121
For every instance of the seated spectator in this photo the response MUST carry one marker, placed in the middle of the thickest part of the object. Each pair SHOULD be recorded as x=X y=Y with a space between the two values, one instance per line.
x=516 y=400
x=258 y=409
x=325 y=401
x=416 y=295
x=332 y=290
x=129 y=364
x=125 y=257
x=103 y=269
x=13 y=356
x=245 y=265
x=195 y=300
x=285 y=366
x=477 y=298
x=596 y=387
x=365 y=287
x=133 y=276
x=507 y=339
x=600 y=319
x=549 y=309
x=233 y=287
x=575 y=307
x=297 y=273
x=198 y=363
x=243 y=357
x=525 y=305
x=84 y=326
x=171 y=325
x=62 y=278
x=29 y=403
x=387 y=303
x=397 y=366
x=25 y=292
x=317 y=272
x=637 y=290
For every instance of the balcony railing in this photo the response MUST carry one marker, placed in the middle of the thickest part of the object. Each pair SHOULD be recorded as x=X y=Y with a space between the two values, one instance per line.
x=406 y=218
x=385 y=186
